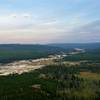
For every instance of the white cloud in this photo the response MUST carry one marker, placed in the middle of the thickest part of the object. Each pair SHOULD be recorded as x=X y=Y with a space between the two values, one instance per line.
x=14 y=19
x=28 y=28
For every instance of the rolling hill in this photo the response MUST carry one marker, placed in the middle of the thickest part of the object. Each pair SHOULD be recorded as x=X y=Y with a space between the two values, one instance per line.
x=12 y=52
x=69 y=46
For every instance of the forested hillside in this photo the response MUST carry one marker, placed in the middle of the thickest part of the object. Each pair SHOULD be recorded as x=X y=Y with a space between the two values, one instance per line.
x=67 y=79
x=12 y=52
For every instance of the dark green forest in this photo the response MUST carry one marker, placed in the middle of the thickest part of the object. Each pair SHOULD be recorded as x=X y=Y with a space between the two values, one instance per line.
x=15 y=52
x=75 y=77
x=54 y=82
x=59 y=83
x=89 y=56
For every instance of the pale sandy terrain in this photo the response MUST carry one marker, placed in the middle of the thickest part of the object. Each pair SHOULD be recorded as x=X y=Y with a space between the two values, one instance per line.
x=20 y=67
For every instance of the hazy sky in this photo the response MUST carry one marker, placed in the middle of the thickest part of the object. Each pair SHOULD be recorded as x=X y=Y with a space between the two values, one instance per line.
x=46 y=21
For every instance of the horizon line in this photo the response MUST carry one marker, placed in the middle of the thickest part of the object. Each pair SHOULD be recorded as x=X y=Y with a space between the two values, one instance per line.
x=47 y=43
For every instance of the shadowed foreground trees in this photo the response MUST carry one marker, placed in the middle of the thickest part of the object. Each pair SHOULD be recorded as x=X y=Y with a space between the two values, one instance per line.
x=58 y=82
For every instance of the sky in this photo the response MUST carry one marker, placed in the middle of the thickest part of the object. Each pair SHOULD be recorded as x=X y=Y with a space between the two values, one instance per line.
x=49 y=21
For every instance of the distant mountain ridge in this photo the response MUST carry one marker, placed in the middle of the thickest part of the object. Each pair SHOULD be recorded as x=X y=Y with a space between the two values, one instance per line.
x=77 y=45
x=31 y=47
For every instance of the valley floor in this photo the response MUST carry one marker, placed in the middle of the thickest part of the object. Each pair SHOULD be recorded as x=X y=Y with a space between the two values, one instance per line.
x=73 y=77
x=20 y=67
